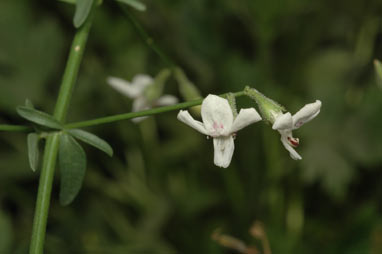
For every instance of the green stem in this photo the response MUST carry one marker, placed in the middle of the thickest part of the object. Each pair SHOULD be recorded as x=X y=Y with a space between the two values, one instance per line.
x=120 y=117
x=51 y=147
x=145 y=36
x=125 y=116
x=154 y=111
x=9 y=127
x=43 y=196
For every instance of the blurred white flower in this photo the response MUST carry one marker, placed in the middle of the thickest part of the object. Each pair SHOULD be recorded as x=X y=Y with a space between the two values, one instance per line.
x=219 y=123
x=285 y=123
x=136 y=90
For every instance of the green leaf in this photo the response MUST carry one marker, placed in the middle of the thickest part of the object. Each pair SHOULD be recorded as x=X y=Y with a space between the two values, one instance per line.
x=68 y=1
x=82 y=11
x=93 y=140
x=38 y=117
x=33 y=152
x=135 y=4
x=72 y=162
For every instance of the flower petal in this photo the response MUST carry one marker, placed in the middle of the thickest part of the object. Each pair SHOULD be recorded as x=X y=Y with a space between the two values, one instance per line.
x=305 y=114
x=283 y=122
x=293 y=154
x=223 y=151
x=217 y=116
x=186 y=118
x=140 y=104
x=245 y=117
x=124 y=87
x=166 y=100
x=139 y=119
x=142 y=81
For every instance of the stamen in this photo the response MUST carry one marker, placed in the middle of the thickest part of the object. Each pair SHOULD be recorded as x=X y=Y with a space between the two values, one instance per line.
x=293 y=141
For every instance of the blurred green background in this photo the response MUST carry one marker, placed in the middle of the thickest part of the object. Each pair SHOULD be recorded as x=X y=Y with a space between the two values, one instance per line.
x=161 y=193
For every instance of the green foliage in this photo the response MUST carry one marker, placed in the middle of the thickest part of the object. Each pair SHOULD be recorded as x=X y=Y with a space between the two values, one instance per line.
x=136 y=4
x=33 y=151
x=160 y=193
x=92 y=140
x=38 y=117
x=72 y=163
x=82 y=12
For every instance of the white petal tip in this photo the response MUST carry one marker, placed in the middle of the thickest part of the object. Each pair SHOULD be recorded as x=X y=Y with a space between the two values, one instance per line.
x=223 y=151
x=181 y=114
x=296 y=158
x=284 y=121
x=222 y=165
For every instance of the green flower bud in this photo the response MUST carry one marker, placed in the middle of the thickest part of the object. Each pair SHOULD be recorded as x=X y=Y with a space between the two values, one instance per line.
x=187 y=89
x=153 y=92
x=269 y=109
x=232 y=103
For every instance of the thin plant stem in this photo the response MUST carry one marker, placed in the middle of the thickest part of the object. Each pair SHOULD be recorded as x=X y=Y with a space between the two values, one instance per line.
x=145 y=36
x=10 y=127
x=120 y=117
x=154 y=111
x=52 y=143
x=43 y=196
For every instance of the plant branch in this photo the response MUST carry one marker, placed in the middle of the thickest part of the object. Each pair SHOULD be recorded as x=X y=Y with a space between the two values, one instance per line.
x=51 y=146
x=10 y=127
x=145 y=36
x=120 y=117
x=154 y=111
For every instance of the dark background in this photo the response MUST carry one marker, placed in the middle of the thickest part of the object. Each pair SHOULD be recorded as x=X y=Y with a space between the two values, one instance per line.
x=161 y=193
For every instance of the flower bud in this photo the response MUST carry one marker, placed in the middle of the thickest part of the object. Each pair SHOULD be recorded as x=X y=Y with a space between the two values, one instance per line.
x=232 y=103
x=187 y=89
x=153 y=92
x=269 y=109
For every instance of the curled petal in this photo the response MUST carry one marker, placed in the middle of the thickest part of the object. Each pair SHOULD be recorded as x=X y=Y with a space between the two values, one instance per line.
x=293 y=154
x=186 y=118
x=124 y=87
x=142 y=81
x=166 y=100
x=223 y=151
x=305 y=114
x=217 y=116
x=283 y=122
x=244 y=118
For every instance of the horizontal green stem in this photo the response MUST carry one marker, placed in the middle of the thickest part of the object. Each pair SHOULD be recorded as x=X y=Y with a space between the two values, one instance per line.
x=126 y=116
x=119 y=117
x=9 y=127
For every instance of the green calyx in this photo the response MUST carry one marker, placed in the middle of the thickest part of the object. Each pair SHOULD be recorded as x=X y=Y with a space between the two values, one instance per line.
x=232 y=103
x=153 y=92
x=187 y=89
x=269 y=109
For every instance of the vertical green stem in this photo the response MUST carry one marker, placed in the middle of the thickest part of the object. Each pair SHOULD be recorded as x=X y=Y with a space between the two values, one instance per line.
x=51 y=146
x=71 y=70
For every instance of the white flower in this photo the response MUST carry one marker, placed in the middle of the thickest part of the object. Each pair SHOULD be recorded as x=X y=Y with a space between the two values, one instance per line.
x=219 y=123
x=136 y=91
x=285 y=123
